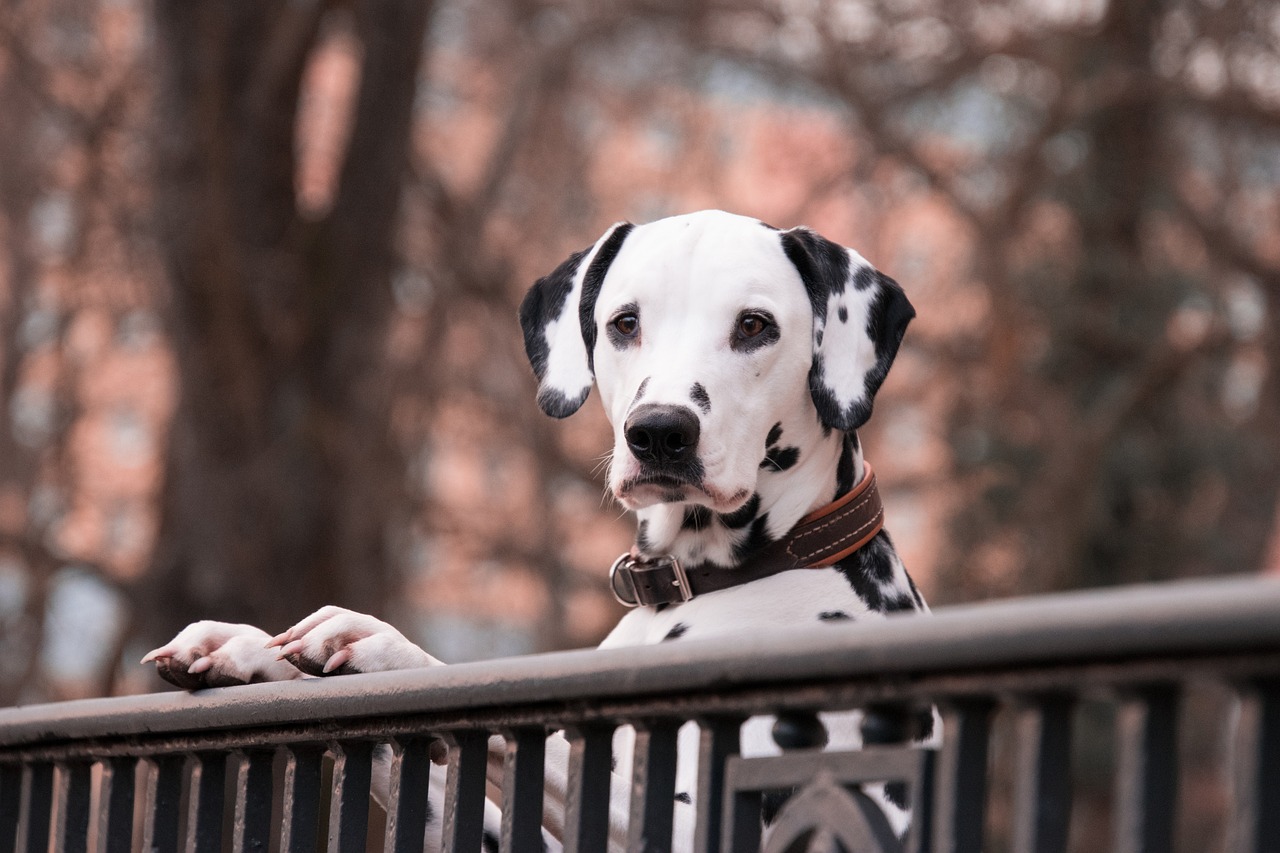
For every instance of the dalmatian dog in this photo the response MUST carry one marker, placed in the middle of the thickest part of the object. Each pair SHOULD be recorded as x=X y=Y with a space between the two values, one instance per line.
x=735 y=362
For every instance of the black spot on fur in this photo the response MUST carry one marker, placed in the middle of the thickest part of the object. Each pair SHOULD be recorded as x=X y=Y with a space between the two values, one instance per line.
x=661 y=606
x=699 y=396
x=489 y=842
x=780 y=458
x=901 y=601
x=843 y=314
x=755 y=539
x=642 y=536
x=677 y=631
x=775 y=435
x=822 y=264
x=593 y=281
x=835 y=616
x=868 y=568
x=541 y=305
x=644 y=385
x=845 y=473
x=683 y=797
x=696 y=518
x=742 y=517
x=896 y=793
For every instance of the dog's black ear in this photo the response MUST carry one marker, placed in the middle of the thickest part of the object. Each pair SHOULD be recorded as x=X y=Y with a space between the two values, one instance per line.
x=859 y=317
x=557 y=318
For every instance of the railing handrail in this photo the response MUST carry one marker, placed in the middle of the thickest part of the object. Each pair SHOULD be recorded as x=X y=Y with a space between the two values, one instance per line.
x=1203 y=617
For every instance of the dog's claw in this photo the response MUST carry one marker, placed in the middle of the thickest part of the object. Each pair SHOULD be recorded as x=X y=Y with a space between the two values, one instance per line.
x=340 y=657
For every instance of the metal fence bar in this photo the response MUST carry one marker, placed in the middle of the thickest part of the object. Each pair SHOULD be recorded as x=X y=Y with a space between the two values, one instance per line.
x=10 y=805
x=464 y=793
x=349 y=809
x=71 y=831
x=33 y=832
x=251 y=829
x=586 y=823
x=718 y=738
x=1257 y=769
x=409 y=808
x=208 y=779
x=300 y=821
x=162 y=803
x=522 y=787
x=960 y=792
x=1146 y=789
x=1042 y=780
x=115 y=807
x=653 y=786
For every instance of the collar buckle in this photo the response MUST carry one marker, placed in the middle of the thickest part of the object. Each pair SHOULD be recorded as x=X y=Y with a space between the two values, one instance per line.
x=635 y=581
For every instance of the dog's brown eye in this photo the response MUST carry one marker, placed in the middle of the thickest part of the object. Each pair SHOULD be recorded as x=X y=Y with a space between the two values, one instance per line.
x=751 y=325
x=627 y=325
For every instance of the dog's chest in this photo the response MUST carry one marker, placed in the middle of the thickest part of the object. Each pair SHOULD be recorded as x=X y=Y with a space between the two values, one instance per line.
x=789 y=599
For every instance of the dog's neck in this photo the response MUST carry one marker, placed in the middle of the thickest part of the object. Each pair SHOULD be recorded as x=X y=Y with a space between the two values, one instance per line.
x=806 y=468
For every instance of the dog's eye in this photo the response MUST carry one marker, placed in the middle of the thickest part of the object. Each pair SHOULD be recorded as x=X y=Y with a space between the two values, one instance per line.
x=752 y=325
x=627 y=325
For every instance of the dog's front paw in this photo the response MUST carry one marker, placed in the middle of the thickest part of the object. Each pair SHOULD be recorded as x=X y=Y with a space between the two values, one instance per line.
x=335 y=641
x=218 y=654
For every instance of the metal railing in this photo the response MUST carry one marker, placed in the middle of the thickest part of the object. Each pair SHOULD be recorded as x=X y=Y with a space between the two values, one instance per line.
x=1154 y=711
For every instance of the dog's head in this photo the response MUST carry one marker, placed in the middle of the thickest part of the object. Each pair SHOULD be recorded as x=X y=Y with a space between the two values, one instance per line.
x=701 y=332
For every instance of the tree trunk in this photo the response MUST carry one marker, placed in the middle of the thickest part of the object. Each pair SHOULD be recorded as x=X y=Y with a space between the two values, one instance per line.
x=282 y=475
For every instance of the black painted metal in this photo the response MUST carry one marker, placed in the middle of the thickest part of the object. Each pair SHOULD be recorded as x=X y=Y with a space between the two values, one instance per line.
x=349 y=810
x=71 y=832
x=1257 y=760
x=115 y=810
x=252 y=824
x=10 y=805
x=522 y=789
x=410 y=784
x=34 y=829
x=1137 y=649
x=960 y=791
x=1042 y=784
x=586 y=824
x=207 y=778
x=1146 y=790
x=653 y=786
x=464 y=794
x=162 y=803
x=300 y=821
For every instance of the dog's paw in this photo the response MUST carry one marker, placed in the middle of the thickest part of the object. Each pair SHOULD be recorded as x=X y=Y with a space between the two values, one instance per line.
x=335 y=641
x=218 y=654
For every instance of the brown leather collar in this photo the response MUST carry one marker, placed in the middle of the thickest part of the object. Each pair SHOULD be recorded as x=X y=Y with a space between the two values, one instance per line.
x=820 y=539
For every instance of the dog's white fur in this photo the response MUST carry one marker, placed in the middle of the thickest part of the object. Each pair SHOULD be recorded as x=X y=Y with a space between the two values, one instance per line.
x=775 y=441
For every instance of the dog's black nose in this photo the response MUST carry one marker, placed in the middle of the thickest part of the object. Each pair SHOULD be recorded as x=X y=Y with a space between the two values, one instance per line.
x=658 y=433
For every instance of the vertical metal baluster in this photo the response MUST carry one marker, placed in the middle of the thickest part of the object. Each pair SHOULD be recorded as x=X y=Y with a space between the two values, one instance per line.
x=410 y=783
x=522 y=785
x=10 y=805
x=204 y=806
x=115 y=806
x=586 y=821
x=163 y=802
x=718 y=738
x=300 y=822
x=1257 y=770
x=653 y=786
x=349 y=810
x=960 y=793
x=1042 y=793
x=252 y=826
x=33 y=831
x=464 y=793
x=1146 y=791
x=71 y=834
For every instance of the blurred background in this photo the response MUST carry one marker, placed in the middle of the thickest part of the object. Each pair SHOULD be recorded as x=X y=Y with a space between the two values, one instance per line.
x=260 y=265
